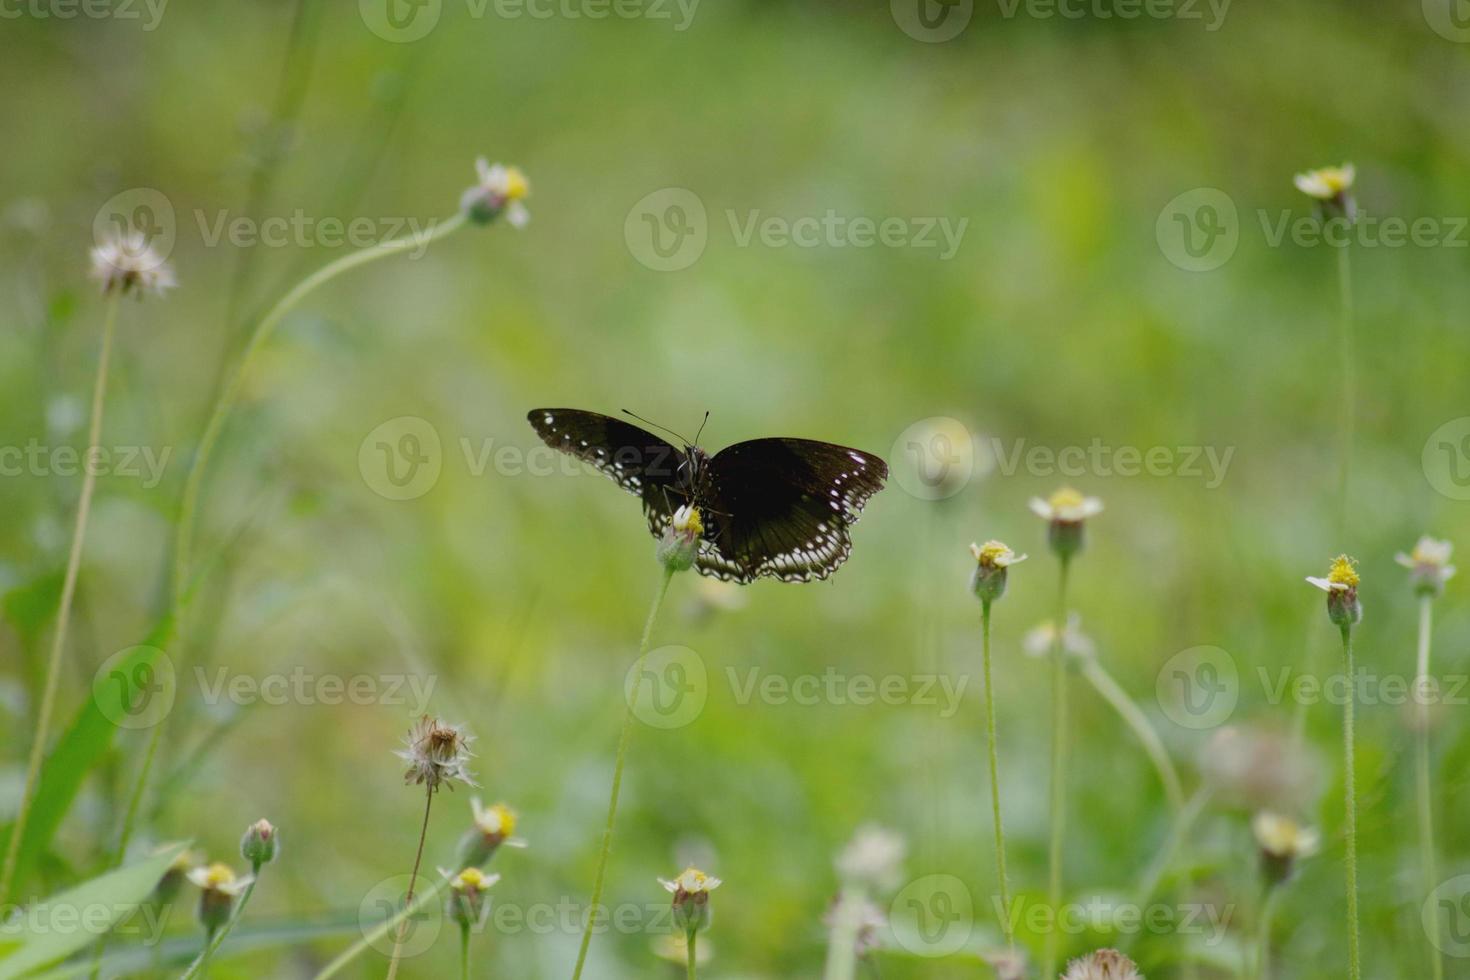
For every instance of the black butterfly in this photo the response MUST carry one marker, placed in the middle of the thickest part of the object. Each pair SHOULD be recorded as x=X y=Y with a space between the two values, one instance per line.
x=770 y=507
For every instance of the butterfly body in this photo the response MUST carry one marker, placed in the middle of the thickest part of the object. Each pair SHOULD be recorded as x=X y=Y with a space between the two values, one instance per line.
x=778 y=508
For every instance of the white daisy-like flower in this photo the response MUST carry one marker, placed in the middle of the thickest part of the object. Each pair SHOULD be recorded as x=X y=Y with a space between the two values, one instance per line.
x=496 y=822
x=126 y=262
x=437 y=754
x=691 y=881
x=994 y=554
x=1342 y=577
x=1066 y=506
x=1430 y=564
x=874 y=858
x=1042 y=638
x=1282 y=837
x=469 y=880
x=500 y=191
x=1326 y=183
x=1105 y=964
x=219 y=878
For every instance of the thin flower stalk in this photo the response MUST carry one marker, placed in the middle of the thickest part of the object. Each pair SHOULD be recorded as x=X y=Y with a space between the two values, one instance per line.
x=230 y=393
x=1424 y=782
x=1000 y=834
x=1058 y=775
x=68 y=594
x=1133 y=716
x=600 y=879
x=1261 y=963
x=842 y=957
x=1350 y=805
x=413 y=878
x=420 y=901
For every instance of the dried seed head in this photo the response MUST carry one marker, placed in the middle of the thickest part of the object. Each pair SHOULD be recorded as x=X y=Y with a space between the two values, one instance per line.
x=126 y=263
x=437 y=754
x=1105 y=964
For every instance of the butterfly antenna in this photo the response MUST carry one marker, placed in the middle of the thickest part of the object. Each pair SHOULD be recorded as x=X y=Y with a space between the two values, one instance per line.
x=701 y=427
x=657 y=426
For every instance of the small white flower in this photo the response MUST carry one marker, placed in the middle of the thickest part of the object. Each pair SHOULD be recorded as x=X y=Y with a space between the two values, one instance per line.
x=691 y=881
x=1282 y=837
x=219 y=878
x=1342 y=577
x=125 y=262
x=1066 y=506
x=1326 y=183
x=995 y=554
x=500 y=191
x=496 y=822
x=873 y=858
x=1430 y=563
x=1041 y=639
x=1105 y=964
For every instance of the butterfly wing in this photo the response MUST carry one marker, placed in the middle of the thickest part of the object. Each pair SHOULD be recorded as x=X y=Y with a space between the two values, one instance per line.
x=782 y=507
x=638 y=461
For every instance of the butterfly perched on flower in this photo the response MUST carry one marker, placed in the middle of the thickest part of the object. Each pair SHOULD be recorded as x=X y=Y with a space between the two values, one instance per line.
x=777 y=508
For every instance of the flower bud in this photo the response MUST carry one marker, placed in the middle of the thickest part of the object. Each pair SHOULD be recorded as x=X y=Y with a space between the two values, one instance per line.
x=1066 y=513
x=1341 y=586
x=259 y=844
x=218 y=889
x=989 y=579
x=691 y=899
x=466 y=902
x=1282 y=841
x=499 y=191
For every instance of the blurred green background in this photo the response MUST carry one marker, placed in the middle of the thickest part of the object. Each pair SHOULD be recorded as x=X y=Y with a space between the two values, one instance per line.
x=1063 y=317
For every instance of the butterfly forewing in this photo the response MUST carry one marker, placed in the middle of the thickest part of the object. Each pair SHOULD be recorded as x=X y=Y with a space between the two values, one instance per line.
x=638 y=461
x=782 y=508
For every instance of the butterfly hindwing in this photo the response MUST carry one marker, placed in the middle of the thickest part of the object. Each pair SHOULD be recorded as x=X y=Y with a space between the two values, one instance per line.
x=782 y=508
x=638 y=461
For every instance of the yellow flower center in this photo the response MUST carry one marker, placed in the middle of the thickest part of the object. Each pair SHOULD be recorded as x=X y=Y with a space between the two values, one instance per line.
x=217 y=875
x=1344 y=572
x=470 y=879
x=1066 y=499
x=498 y=819
x=993 y=551
x=693 y=880
x=516 y=184
x=688 y=521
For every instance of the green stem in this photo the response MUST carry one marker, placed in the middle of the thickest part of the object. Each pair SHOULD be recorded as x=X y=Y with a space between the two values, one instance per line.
x=1058 y=775
x=464 y=952
x=1350 y=806
x=130 y=819
x=617 y=780
x=230 y=393
x=693 y=938
x=1427 y=850
x=1183 y=824
x=201 y=965
x=842 y=943
x=1000 y=834
x=68 y=593
x=1262 y=964
x=413 y=878
x=1346 y=345
x=378 y=932
x=1129 y=711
